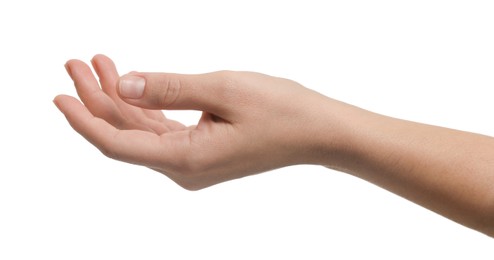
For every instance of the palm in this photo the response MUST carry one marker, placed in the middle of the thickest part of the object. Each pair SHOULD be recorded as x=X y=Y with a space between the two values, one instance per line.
x=102 y=101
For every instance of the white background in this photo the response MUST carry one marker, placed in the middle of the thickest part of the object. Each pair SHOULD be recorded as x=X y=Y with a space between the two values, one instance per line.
x=428 y=61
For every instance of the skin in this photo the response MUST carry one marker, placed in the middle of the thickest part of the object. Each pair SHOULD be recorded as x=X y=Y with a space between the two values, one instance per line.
x=253 y=123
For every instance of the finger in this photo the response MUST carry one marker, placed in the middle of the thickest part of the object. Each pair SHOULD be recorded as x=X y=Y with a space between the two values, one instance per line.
x=155 y=114
x=207 y=92
x=133 y=146
x=107 y=72
x=108 y=76
x=87 y=87
x=159 y=116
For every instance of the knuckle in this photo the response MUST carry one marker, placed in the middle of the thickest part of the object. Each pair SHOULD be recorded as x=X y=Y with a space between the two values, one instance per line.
x=169 y=91
x=228 y=78
x=230 y=87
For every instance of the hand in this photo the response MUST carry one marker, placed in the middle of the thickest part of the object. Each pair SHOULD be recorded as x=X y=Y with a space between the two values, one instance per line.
x=250 y=123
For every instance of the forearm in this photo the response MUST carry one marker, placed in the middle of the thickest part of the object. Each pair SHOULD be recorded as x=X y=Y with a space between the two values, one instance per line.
x=448 y=171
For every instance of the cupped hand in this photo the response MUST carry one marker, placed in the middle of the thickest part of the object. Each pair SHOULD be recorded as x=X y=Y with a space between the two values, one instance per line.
x=251 y=122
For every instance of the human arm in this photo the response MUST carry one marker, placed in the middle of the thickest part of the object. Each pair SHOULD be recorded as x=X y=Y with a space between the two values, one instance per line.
x=252 y=123
x=448 y=171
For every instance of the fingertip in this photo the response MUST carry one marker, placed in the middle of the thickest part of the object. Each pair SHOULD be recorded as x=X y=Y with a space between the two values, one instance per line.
x=61 y=100
x=61 y=96
x=67 y=68
x=106 y=70
x=95 y=58
x=56 y=101
x=57 y=98
x=99 y=58
x=72 y=61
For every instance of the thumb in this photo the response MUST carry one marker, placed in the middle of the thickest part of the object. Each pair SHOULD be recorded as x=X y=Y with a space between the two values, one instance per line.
x=205 y=92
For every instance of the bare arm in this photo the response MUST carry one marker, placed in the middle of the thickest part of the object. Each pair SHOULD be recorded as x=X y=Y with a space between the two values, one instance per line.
x=253 y=123
x=448 y=171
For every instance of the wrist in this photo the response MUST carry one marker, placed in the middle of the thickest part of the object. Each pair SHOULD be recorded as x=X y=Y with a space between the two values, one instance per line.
x=335 y=139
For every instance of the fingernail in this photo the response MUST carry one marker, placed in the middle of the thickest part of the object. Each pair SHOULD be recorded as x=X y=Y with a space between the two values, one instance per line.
x=55 y=102
x=131 y=86
x=67 y=68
